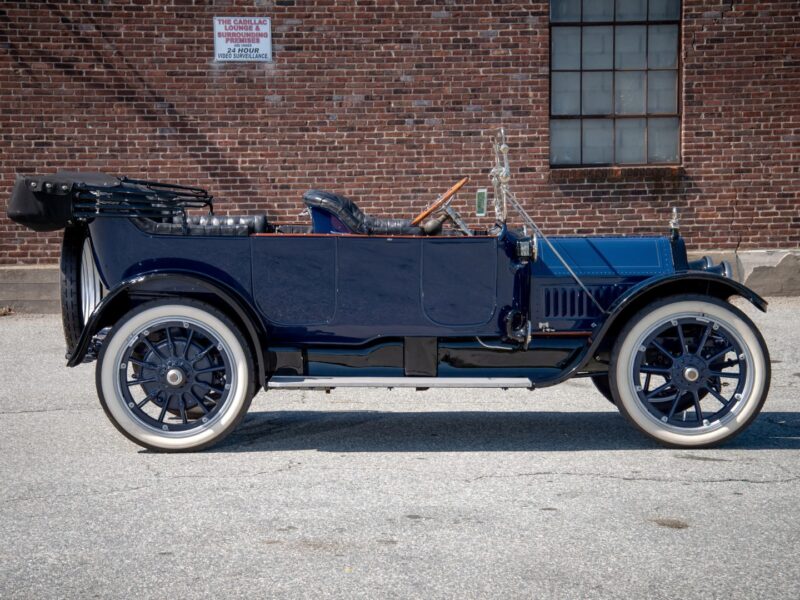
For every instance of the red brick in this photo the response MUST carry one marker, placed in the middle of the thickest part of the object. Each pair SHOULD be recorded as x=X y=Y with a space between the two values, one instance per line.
x=388 y=103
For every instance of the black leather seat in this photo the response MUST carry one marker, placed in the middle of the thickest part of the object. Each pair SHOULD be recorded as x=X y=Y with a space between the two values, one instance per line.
x=206 y=225
x=215 y=225
x=352 y=217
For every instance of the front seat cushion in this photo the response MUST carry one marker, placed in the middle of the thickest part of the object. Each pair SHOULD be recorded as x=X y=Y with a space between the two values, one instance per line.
x=353 y=218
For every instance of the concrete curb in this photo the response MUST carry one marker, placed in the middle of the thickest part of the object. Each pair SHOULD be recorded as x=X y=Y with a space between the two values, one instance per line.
x=35 y=289
x=30 y=289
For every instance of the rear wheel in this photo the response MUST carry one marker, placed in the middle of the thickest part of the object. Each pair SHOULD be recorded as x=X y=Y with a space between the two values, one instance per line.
x=690 y=371
x=175 y=376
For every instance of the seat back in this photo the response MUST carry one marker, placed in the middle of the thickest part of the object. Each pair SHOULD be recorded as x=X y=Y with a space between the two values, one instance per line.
x=331 y=213
x=208 y=225
x=230 y=225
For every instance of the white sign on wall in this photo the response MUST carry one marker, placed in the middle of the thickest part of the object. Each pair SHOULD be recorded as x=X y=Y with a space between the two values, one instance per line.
x=242 y=39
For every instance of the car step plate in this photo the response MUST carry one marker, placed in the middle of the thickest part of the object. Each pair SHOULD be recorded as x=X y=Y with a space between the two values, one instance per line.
x=320 y=382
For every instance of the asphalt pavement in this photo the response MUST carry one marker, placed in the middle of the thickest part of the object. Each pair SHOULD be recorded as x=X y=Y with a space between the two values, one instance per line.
x=392 y=494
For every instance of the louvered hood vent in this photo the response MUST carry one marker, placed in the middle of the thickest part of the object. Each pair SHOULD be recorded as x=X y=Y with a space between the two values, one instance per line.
x=571 y=302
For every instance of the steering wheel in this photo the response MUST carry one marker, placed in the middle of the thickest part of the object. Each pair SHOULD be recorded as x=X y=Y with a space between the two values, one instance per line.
x=441 y=202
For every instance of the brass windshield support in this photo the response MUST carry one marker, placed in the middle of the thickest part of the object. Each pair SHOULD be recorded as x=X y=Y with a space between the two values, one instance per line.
x=500 y=176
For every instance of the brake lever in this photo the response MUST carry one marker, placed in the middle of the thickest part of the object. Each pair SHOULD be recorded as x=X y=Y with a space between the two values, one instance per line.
x=456 y=218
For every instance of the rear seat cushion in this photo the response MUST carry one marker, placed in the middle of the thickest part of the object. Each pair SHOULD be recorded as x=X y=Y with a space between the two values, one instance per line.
x=229 y=225
x=207 y=225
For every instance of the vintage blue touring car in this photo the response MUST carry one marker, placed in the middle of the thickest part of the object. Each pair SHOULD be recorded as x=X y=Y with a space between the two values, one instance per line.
x=188 y=315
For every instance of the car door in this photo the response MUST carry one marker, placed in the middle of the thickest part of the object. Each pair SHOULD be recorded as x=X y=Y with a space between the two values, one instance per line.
x=332 y=287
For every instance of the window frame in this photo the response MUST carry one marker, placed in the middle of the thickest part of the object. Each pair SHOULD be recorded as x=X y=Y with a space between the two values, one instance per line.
x=580 y=117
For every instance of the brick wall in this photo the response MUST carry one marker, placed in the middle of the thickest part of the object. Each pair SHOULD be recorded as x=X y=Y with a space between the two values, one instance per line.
x=388 y=102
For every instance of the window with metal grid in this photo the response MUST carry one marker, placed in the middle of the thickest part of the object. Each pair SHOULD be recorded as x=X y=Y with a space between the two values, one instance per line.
x=614 y=82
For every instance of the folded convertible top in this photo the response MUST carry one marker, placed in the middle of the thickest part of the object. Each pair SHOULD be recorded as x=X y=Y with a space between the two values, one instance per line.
x=51 y=202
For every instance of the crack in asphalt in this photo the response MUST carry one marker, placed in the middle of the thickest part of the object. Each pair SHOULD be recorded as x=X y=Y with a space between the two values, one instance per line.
x=635 y=478
x=161 y=476
x=42 y=410
x=78 y=494
x=156 y=475
x=84 y=494
x=47 y=410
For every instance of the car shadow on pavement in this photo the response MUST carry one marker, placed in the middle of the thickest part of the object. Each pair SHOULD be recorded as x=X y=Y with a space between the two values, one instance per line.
x=472 y=431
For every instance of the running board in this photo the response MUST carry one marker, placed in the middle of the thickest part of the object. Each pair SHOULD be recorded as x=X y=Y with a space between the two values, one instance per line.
x=327 y=383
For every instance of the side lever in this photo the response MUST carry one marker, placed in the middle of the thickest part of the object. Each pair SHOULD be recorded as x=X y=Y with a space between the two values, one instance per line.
x=518 y=327
x=454 y=216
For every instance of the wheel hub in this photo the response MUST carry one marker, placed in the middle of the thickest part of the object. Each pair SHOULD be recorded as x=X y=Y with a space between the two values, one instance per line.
x=175 y=377
x=689 y=372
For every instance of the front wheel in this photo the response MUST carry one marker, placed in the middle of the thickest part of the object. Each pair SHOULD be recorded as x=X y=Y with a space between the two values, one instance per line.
x=690 y=371
x=175 y=375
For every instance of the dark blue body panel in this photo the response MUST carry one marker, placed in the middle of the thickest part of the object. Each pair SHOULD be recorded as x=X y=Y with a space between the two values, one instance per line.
x=349 y=289
x=638 y=257
x=352 y=289
x=124 y=251
x=388 y=306
x=608 y=267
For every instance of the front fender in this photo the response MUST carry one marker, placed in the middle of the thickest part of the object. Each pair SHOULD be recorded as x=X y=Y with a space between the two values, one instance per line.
x=162 y=285
x=698 y=282
x=682 y=282
x=652 y=289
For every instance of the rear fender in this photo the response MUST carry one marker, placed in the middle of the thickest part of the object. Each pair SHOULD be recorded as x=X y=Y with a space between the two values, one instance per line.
x=139 y=289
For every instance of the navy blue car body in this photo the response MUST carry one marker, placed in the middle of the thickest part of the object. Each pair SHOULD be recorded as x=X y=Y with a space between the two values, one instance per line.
x=312 y=295
x=348 y=299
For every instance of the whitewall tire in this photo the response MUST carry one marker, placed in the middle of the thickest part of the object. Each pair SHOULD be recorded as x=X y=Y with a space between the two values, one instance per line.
x=690 y=371
x=175 y=375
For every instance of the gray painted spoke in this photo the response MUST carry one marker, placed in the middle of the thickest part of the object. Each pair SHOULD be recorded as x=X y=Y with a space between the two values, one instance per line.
x=660 y=388
x=697 y=408
x=183 y=410
x=725 y=374
x=719 y=354
x=663 y=350
x=164 y=409
x=703 y=340
x=682 y=339
x=200 y=356
x=199 y=402
x=143 y=364
x=147 y=398
x=149 y=344
x=654 y=370
x=674 y=405
x=717 y=395
x=188 y=342
x=170 y=343
x=210 y=370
